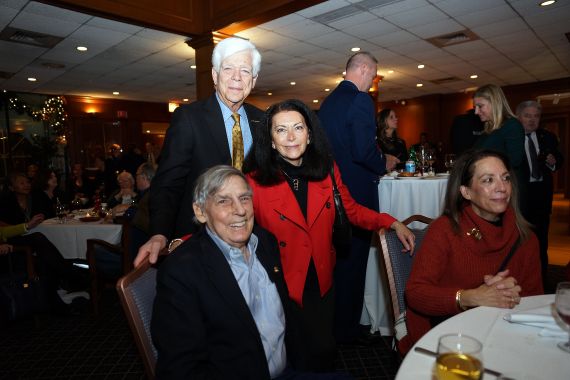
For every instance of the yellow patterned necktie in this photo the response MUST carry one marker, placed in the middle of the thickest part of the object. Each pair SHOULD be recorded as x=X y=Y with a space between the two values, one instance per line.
x=237 y=143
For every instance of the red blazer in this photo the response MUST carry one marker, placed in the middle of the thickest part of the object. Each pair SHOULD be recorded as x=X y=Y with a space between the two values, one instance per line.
x=277 y=210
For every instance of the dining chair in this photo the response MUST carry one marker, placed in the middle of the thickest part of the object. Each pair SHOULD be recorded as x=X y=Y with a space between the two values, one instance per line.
x=97 y=279
x=137 y=291
x=398 y=267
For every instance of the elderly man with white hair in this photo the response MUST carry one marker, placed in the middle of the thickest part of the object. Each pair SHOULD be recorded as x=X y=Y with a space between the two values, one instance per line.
x=542 y=158
x=205 y=133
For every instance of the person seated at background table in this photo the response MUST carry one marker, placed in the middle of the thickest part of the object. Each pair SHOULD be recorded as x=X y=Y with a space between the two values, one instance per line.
x=221 y=300
x=387 y=137
x=79 y=187
x=138 y=213
x=424 y=142
x=503 y=132
x=289 y=170
x=125 y=194
x=16 y=207
x=459 y=263
x=46 y=193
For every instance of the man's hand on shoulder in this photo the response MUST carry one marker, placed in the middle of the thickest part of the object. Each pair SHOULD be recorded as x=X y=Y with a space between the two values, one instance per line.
x=151 y=249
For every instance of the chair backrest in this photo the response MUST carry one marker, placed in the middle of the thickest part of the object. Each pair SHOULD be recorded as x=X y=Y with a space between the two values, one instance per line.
x=137 y=291
x=398 y=264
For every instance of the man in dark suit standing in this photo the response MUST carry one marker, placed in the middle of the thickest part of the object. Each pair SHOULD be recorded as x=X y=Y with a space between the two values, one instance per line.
x=542 y=158
x=208 y=132
x=348 y=117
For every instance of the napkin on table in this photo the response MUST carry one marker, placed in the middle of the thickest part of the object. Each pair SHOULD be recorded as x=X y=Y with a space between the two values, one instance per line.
x=542 y=318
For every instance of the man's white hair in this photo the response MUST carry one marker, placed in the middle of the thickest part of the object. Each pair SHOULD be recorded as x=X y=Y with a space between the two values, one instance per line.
x=232 y=45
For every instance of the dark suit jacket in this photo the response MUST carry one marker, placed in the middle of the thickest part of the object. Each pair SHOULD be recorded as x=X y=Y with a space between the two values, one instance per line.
x=548 y=144
x=347 y=115
x=201 y=324
x=195 y=142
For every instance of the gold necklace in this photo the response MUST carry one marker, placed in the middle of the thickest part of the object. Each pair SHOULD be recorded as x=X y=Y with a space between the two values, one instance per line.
x=294 y=181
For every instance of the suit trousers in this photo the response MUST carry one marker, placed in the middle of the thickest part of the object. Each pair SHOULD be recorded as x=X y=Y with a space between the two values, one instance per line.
x=538 y=214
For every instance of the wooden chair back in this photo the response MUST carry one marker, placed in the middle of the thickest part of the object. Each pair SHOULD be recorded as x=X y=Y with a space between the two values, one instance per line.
x=399 y=264
x=137 y=291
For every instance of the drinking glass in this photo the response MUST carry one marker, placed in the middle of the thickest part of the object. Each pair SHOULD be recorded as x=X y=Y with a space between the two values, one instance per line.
x=562 y=304
x=449 y=160
x=60 y=212
x=422 y=159
x=459 y=357
x=430 y=158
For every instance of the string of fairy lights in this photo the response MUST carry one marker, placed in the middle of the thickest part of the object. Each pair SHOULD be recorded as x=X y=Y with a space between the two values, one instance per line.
x=52 y=112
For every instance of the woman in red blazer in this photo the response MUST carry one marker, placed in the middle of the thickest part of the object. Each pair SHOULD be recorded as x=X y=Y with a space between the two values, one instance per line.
x=289 y=170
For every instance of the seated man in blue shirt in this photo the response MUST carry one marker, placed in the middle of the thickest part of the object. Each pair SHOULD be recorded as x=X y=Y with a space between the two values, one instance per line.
x=219 y=309
x=221 y=300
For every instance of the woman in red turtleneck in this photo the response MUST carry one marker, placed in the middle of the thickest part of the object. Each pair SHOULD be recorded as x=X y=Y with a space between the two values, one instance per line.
x=457 y=265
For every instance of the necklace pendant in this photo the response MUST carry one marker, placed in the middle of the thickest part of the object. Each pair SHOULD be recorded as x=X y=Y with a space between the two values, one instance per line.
x=296 y=184
x=475 y=233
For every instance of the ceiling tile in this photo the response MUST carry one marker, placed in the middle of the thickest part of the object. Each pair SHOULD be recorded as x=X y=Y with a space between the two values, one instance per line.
x=43 y=24
x=322 y=8
x=436 y=28
x=459 y=8
x=304 y=30
x=56 y=13
x=398 y=7
x=6 y=16
x=356 y=19
x=396 y=38
x=486 y=16
x=417 y=17
x=14 y=4
x=114 y=25
x=373 y=28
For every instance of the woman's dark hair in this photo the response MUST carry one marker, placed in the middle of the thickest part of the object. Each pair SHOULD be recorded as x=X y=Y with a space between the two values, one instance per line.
x=43 y=177
x=265 y=163
x=462 y=175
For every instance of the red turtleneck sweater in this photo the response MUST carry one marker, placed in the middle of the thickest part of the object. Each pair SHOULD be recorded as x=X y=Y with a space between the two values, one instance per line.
x=448 y=262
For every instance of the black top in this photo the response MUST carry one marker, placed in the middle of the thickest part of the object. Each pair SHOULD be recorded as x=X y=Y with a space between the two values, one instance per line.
x=394 y=146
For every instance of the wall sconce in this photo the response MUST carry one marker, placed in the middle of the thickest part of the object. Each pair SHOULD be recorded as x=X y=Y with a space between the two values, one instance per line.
x=172 y=106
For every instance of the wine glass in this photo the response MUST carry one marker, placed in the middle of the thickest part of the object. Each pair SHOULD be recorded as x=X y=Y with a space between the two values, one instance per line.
x=562 y=304
x=60 y=212
x=449 y=160
x=422 y=158
x=459 y=357
x=430 y=158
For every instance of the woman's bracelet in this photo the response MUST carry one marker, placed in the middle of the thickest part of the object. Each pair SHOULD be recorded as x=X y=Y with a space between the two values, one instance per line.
x=458 y=300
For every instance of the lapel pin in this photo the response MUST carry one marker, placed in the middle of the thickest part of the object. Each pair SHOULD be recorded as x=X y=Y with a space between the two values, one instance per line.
x=276 y=269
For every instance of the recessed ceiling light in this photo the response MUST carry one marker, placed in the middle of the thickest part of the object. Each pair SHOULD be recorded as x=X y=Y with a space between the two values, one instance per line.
x=148 y=131
x=474 y=76
x=355 y=49
x=115 y=92
x=315 y=100
x=343 y=73
x=547 y=3
x=32 y=79
x=420 y=66
x=419 y=85
x=81 y=48
x=390 y=71
x=185 y=99
x=193 y=67
x=327 y=89
x=293 y=83
x=269 y=93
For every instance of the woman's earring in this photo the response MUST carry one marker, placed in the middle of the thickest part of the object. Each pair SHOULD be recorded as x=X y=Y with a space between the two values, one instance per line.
x=273 y=145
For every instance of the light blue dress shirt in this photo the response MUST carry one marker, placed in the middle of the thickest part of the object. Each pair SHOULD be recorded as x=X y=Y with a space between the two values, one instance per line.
x=262 y=299
x=229 y=123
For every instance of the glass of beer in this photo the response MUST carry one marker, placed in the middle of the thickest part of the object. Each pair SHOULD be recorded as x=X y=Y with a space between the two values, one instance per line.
x=459 y=357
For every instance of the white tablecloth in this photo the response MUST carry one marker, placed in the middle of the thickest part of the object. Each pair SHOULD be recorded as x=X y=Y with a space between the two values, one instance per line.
x=400 y=198
x=512 y=349
x=71 y=237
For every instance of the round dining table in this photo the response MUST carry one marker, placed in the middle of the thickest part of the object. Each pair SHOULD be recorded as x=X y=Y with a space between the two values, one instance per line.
x=514 y=350
x=70 y=238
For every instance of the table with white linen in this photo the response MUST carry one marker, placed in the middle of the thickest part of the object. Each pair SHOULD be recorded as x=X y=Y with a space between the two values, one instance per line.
x=515 y=350
x=70 y=238
x=400 y=198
